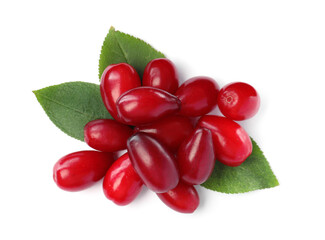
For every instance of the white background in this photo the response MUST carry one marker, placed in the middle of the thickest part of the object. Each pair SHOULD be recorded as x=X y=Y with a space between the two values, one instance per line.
x=277 y=46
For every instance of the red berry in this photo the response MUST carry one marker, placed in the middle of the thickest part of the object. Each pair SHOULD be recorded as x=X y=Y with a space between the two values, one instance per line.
x=183 y=198
x=154 y=163
x=146 y=104
x=161 y=73
x=238 y=101
x=196 y=157
x=170 y=131
x=121 y=183
x=107 y=135
x=198 y=96
x=232 y=144
x=117 y=79
x=80 y=170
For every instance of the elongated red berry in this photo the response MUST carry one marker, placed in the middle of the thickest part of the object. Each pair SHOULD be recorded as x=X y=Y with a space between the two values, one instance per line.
x=238 y=101
x=196 y=157
x=161 y=73
x=170 y=131
x=232 y=145
x=146 y=104
x=198 y=96
x=107 y=135
x=121 y=183
x=80 y=170
x=154 y=163
x=117 y=79
x=183 y=198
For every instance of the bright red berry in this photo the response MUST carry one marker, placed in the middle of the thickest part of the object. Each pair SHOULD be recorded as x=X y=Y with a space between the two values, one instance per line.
x=183 y=198
x=170 y=131
x=161 y=73
x=238 y=101
x=117 y=79
x=198 y=96
x=146 y=104
x=196 y=157
x=107 y=135
x=121 y=183
x=154 y=163
x=80 y=170
x=232 y=144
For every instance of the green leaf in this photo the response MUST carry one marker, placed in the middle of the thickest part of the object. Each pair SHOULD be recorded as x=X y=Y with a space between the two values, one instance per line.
x=120 y=47
x=70 y=106
x=255 y=173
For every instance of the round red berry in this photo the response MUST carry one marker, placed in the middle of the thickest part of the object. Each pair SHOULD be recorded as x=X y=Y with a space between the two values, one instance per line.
x=146 y=104
x=80 y=170
x=121 y=183
x=232 y=145
x=196 y=157
x=238 y=101
x=161 y=73
x=107 y=135
x=183 y=198
x=154 y=163
x=117 y=79
x=198 y=96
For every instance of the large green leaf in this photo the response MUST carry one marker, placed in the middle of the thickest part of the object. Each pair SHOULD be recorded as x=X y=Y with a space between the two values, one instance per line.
x=120 y=47
x=70 y=106
x=255 y=173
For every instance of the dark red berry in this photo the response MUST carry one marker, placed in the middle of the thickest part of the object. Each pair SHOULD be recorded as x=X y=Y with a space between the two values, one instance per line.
x=117 y=79
x=232 y=144
x=80 y=170
x=170 y=131
x=198 y=96
x=146 y=104
x=196 y=157
x=161 y=73
x=238 y=101
x=121 y=183
x=154 y=163
x=107 y=135
x=183 y=198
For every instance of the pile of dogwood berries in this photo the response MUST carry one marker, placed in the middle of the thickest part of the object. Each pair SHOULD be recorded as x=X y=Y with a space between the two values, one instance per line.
x=171 y=143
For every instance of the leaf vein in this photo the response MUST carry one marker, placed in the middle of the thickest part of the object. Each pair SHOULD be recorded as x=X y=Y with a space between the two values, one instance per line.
x=66 y=106
x=122 y=50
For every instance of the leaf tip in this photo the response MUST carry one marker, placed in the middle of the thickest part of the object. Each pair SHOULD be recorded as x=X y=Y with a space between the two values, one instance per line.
x=276 y=182
x=36 y=93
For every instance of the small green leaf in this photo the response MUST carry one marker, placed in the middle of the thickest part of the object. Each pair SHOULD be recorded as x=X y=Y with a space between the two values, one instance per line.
x=255 y=173
x=70 y=106
x=120 y=47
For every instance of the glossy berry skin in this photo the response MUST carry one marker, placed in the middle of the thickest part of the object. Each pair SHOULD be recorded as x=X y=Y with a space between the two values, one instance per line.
x=146 y=104
x=232 y=145
x=154 y=163
x=196 y=157
x=238 y=101
x=183 y=198
x=170 y=131
x=107 y=135
x=198 y=96
x=80 y=170
x=161 y=73
x=117 y=79
x=121 y=183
